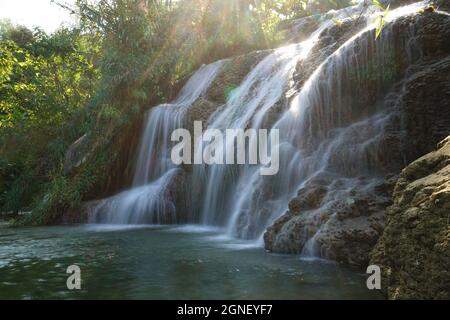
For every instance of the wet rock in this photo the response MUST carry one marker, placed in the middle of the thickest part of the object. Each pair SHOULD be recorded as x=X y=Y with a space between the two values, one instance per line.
x=442 y=5
x=424 y=108
x=396 y=3
x=232 y=74
x=77 y=154
x=78 y=215
x=346 y=222
x=201 y=110
x=337 y=220
x=300 y=29
x=308 y=198
x=414 y=250
x=329 y=41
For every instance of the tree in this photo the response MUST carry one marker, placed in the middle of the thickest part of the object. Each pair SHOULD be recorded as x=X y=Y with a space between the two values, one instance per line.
x=44 y=85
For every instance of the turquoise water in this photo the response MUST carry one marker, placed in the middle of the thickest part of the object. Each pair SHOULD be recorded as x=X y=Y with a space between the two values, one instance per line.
x=186 y=262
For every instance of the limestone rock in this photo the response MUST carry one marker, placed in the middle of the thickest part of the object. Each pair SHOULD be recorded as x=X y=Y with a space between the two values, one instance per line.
x=232 y=74
x=414 y=251
x=337 y=220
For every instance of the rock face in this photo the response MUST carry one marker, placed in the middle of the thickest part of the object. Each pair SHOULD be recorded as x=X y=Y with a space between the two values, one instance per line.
x=344 y=218
x=329 y=41
x=230 y=76
x=233 y=72
x=76 y=155
x=414 y=251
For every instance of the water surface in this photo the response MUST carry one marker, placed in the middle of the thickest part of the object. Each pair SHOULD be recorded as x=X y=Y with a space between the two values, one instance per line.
x=144 y=262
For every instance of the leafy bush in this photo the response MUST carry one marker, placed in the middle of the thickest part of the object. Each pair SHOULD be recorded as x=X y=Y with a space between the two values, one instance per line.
x=97 y=78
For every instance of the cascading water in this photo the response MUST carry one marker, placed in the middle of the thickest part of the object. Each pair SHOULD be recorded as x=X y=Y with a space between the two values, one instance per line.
x=150 y=200
x=322 y=135
x=252 y=105
x=326 y=135
x=258 y=93
x=230 y=192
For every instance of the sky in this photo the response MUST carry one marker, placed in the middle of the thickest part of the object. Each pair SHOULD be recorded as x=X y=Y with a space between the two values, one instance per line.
x=41 y=13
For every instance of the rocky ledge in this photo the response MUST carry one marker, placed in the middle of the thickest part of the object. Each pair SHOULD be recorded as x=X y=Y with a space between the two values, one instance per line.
x=414 y=251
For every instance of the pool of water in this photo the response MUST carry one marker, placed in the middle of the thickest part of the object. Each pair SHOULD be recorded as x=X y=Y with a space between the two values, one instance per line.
x=177 y=262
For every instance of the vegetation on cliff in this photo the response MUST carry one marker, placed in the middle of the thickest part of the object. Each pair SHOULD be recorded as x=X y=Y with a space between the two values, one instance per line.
x=95 y=79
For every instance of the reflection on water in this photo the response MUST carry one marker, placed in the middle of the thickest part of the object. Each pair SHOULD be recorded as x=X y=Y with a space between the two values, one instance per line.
x=145 y=262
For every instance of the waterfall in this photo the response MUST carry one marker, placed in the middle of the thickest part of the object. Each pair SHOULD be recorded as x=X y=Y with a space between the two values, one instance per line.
x=155 y=147
x=151 y=198
x=246 y=107
x=323 y=135
x=236 y=196
x=227 y=189
x=328 y=137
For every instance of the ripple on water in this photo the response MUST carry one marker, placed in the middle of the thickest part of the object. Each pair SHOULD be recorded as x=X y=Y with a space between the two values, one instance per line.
x=182 y=262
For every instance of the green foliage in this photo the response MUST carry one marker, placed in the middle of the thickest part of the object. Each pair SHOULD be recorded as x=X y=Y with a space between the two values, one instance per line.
x=41 y=83
x=20 y=35
x=15 y=186
x=45 y=82
x=382 y=18
x=62 y=193
x=383 y=71
x=97 y=79
x=229 y=91
x=289 y=9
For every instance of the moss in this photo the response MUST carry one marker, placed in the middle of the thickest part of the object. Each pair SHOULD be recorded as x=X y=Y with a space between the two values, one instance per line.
x=414 y=251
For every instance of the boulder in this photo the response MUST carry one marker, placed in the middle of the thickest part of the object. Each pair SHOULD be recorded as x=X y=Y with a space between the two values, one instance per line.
x=338 y=220
x=414 y=250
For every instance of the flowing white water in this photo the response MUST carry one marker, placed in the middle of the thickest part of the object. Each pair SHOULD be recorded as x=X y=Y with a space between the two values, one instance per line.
x=239 y=196
x=325 y=135
x=155 y=148
x=248 y=104
x=151 y=199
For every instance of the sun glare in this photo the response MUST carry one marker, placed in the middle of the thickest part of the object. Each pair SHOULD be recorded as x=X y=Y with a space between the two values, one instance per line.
x=45 y=14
